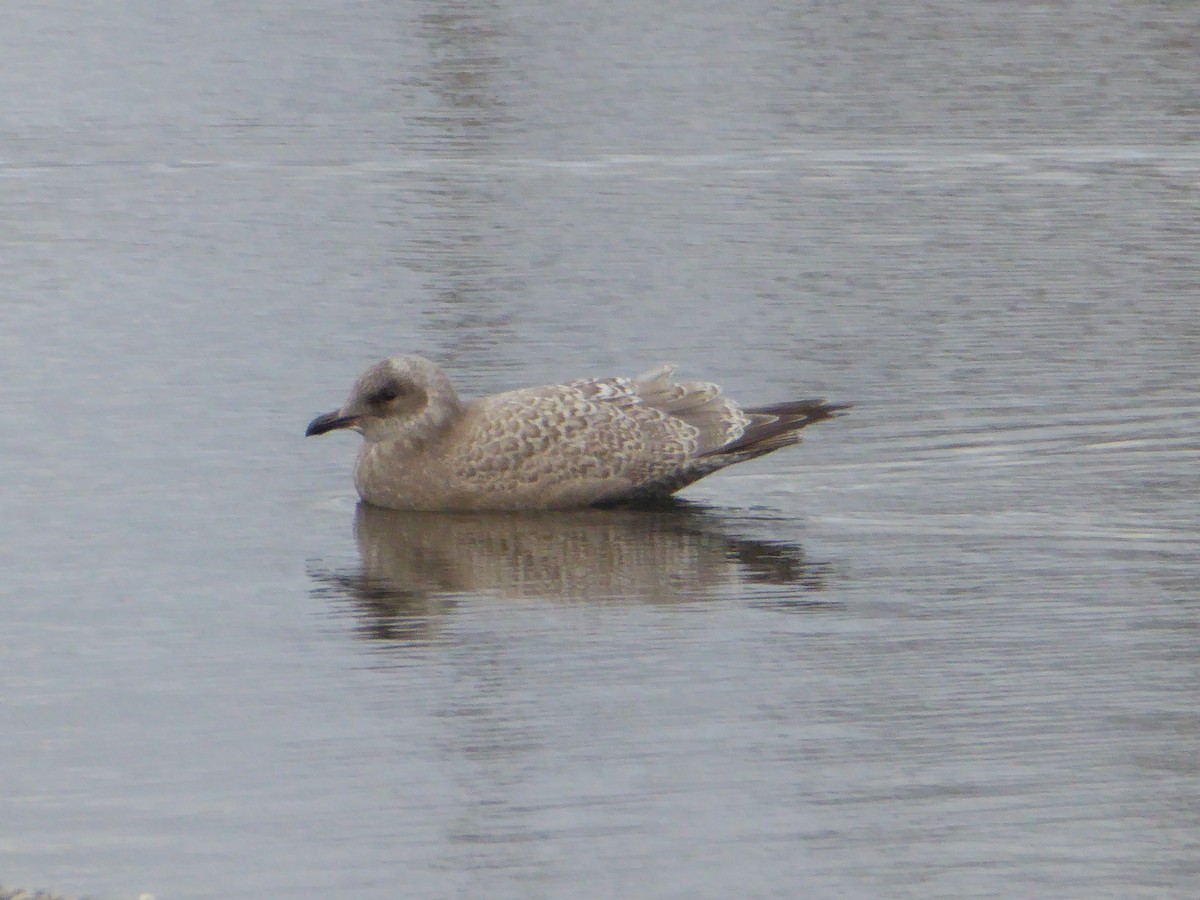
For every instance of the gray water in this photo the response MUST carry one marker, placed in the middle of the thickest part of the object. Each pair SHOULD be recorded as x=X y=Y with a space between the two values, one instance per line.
x=945 y=648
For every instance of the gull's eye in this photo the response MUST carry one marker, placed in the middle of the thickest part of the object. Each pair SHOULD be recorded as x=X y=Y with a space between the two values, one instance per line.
x=384 y=395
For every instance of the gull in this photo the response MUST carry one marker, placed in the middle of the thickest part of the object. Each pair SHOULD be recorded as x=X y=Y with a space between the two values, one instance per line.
x=592 y=442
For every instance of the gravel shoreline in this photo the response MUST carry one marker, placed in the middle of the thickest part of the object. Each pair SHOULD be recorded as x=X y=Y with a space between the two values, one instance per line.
x=18 y=894
x=21 y=894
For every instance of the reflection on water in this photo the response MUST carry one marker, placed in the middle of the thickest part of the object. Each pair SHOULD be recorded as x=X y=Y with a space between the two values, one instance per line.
x=414 y=565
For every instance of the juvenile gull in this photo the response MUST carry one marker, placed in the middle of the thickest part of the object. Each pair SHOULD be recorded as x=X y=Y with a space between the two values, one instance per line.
x=593 y=442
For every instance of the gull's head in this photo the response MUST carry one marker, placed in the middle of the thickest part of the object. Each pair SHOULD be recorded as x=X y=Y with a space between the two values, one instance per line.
x=402 y=398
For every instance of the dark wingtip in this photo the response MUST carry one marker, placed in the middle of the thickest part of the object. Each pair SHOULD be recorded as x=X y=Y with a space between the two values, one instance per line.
x=808 y=410
x=831 y=410
x=777 y=424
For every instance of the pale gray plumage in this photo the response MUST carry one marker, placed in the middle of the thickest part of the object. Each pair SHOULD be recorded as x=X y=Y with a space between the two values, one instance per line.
x=593 y=442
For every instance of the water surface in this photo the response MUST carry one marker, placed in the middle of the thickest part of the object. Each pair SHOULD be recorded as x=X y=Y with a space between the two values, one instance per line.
x=945 y=648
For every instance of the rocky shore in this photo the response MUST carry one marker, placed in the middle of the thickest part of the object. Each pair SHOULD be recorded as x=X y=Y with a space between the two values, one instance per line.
x=20 y=894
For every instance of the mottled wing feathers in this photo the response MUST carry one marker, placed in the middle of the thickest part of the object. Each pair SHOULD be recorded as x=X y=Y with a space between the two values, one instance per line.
x=621 y=391
x=649 y=435
x=587 y=430
x=716 y=419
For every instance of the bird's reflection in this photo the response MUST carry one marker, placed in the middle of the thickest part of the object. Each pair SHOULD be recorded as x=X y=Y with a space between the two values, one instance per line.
x=415 y=567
